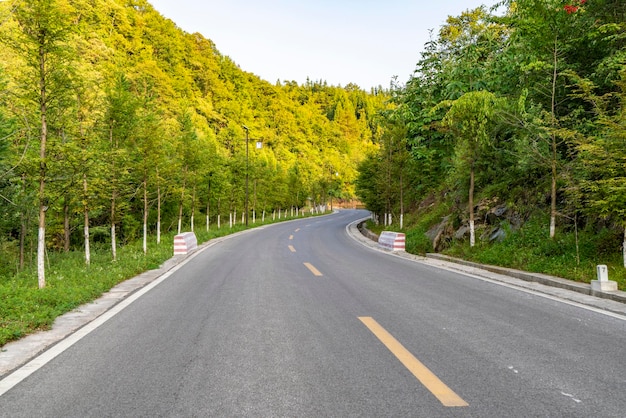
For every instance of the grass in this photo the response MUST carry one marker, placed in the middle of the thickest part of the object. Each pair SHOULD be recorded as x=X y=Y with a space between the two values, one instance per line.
x=24 y=308
x=529 y=249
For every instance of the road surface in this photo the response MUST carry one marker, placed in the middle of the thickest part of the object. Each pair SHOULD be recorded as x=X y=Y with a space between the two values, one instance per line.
x=299 y=320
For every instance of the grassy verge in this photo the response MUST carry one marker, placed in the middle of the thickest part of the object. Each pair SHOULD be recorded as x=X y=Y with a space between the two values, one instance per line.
x=530 y=249
x=24 y=308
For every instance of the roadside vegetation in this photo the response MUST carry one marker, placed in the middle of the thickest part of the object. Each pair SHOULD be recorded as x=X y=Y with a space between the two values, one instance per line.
x=568 y=256
x=119 y=130
x=508 y=144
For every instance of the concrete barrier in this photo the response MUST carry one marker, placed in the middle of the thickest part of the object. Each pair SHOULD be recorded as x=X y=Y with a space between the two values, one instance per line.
x=393 y=241
x=184 y=243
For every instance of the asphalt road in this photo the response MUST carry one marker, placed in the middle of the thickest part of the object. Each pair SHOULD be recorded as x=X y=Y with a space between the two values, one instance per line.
x=299 y=320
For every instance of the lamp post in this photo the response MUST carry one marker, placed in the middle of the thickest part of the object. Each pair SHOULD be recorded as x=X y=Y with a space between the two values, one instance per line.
x=247 y=165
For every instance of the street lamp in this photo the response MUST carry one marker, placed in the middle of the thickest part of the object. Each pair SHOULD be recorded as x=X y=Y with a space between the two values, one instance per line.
x=247 y=166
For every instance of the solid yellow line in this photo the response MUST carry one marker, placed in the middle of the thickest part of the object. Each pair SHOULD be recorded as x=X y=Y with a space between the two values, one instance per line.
x=293 y=250
x=442 y=392
x=315 y=271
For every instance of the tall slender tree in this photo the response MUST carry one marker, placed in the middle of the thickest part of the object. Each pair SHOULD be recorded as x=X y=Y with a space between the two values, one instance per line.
x=43 y=45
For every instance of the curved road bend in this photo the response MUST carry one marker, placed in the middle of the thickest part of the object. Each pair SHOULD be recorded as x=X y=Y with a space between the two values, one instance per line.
x=297 y=319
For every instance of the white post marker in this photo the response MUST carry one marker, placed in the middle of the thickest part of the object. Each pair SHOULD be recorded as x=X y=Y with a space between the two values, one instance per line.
x=603 y=284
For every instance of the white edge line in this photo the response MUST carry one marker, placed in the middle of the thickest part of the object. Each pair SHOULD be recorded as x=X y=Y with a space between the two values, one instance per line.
x=493 y=281
x=38 y=362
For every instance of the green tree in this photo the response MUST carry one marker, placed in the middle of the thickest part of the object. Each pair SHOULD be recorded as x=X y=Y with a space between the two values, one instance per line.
x=471 y=118
x=43 y=45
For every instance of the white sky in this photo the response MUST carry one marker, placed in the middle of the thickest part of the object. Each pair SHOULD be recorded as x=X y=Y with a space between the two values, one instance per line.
x=365 y=42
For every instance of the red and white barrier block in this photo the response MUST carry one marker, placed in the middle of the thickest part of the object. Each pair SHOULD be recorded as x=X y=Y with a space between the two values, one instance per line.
x=393 y=241
x=185 y=243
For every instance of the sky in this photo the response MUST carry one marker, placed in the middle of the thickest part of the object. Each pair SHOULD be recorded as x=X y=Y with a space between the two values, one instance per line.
x=365 y=42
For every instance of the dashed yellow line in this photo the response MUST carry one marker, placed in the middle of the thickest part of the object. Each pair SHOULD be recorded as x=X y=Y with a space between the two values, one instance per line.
x=293 y=250
x=442 y=392
x=313 y=270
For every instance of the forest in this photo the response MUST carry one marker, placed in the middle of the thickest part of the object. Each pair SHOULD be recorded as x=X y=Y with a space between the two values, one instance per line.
x=514 y=116
x=117 y=126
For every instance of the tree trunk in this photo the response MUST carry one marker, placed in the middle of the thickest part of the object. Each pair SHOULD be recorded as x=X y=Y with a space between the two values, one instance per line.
x=401 y=200
x=193 y=208
x=471 y=207
x=114 y=146
x=158 y=208
x=113 y=241
x=624 y=247
x=208 y=206
x=86 y=211
x=41 y=238
x=66 y=224
x=145 y=214
x=182 y=199
x=554 y=145
x=23 y=230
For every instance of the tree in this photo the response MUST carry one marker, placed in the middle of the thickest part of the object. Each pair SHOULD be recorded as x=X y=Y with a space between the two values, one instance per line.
x=602 y=157
x=471 y=118
x=543 y=31
x=120 y=127
x=45 y=30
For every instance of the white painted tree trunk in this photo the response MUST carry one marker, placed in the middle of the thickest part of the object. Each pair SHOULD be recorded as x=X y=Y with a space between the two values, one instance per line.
x=145 y=215
x=41 y=248
x=158 y=208
x=86 y=227
x=87 y=247
x=624 y=247
x=113 y=243
x=471 y=206
x=193 y=209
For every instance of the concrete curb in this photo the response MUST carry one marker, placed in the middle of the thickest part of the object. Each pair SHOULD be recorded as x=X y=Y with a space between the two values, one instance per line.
x=580 y=293
x=584 y=288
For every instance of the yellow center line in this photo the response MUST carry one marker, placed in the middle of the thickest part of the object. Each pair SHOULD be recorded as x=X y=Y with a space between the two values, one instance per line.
x=315 y=271
x=442 y=392
x=293 y=250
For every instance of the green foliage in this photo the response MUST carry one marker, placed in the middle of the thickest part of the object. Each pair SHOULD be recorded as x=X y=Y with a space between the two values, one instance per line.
x=527 y=249
x=142 y=117
x=531 y=102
